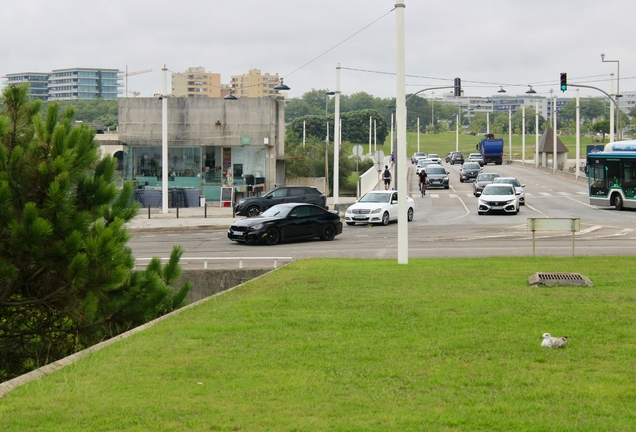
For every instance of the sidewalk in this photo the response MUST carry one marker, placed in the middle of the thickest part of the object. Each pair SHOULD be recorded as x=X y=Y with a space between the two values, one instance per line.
x=193 y=218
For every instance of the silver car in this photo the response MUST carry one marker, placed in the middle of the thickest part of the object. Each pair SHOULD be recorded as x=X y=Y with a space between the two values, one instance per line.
x=517 y=185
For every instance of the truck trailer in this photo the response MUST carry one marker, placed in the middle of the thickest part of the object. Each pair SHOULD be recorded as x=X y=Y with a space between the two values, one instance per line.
x=491 y=149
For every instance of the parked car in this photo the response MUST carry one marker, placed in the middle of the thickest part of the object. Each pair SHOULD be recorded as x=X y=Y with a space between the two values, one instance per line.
x=469 y=171
x=500 y=197
x=253 y=206
x=457 y=157
x=476 y=157
x=377 y=207
x=283 y=222
x=435 y=157
x=517 y=185
x=482 y=180
x=437 y=176
x=417 y=155
x=423 y=163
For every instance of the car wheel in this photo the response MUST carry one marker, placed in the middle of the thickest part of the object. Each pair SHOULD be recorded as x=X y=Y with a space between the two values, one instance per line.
x=517 y=210
x=252 y=211
x=271 y=236
x=351 y=223
x=385 y=218
x=618 y=202
x=328 y=232
x=461 y=181
x=480 y=213
x=409 y=214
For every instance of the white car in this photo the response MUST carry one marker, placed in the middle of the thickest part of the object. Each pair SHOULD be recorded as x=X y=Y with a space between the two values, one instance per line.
x=377 y=207
x=435 y=157
x=423 y=163
x=518 y=187
x=498 y=197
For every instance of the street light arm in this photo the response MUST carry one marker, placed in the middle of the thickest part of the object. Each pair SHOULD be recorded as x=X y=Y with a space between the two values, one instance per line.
x=426 y=89
x=595 y=88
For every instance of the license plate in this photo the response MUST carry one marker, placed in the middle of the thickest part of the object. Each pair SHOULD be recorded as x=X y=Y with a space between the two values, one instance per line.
x=237 y=233
x=497 y=207
x=360 y=217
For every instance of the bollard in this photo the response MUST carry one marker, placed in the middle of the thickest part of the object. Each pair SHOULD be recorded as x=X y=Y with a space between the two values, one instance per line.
x=240 y=263
x=205 y=264
x=205 y=210
x=148 y=212
x=177 y=212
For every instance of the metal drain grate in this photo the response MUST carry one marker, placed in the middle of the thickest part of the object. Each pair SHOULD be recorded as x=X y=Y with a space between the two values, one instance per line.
x=551 y=279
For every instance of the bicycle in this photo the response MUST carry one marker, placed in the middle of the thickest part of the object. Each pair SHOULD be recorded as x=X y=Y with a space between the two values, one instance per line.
x=423 y=189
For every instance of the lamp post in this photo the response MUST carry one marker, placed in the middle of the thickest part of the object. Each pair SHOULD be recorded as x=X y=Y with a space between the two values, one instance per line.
x=618 y=92
x=536 y=133
x=510 y=133
x=336 y=140
x=400 y=102
x=554 y=135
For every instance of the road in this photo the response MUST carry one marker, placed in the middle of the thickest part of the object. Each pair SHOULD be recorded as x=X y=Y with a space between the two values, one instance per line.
x=445 y=224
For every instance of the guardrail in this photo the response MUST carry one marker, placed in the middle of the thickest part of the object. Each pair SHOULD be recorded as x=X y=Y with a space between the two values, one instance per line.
x=239 y=259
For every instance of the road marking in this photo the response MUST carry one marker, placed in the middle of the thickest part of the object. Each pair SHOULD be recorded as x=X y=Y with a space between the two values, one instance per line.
x=564 y=193
x=434 y=195
x=469 y=195
x=582 y=193
x=545 y=193
x=618 y=234
x=452 y=195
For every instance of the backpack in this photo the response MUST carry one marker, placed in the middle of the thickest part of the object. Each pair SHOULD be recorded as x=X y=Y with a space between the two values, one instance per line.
x=387 y=174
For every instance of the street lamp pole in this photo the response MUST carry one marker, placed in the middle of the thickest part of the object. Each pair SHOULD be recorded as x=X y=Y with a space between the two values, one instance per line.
x=536 y=134
x=578 y=133
x=510 y=133
x=400 y=102
x=618 y=92
x=336 y=140
x=164 y=142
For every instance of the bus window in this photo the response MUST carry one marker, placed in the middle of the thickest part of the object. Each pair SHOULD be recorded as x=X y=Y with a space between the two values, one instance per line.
x=596 y=179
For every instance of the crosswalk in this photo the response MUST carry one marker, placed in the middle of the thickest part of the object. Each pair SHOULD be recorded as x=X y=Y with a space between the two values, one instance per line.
x=470 y=195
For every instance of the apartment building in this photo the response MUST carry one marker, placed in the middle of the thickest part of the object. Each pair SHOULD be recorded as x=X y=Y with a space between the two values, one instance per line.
x=254 y=84
x=37 y=81
x=69 y=84
x=196 y=82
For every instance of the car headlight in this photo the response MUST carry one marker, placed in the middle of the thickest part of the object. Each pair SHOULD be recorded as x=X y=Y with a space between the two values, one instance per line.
x=257 y=226
x=241 y=201
x=445 y=179
x=378 y=210
x=348 y=210
x=510 y=202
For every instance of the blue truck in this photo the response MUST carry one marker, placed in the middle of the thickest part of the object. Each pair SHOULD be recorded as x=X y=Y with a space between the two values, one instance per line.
x=491 y=149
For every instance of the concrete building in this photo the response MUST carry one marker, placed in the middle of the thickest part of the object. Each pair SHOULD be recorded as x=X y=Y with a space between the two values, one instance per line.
x=37 y=81
x=69 y=84
x=196 y=82
x=255 y=85
x=212 y=143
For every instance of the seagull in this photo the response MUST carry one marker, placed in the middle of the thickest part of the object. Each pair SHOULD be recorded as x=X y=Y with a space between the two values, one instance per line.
x=553 y=342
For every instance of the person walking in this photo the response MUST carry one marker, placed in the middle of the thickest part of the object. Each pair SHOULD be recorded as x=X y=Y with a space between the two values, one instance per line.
x=422 y=181
x=387 y=177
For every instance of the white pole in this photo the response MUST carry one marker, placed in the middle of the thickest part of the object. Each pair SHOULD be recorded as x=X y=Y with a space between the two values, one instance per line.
x=370 y=126
x=536 y=133
x=327 y=162
x=611 y=131
x=578 y=134
x=375 y=135
x=400 y=157
x=523 y=135
x=304 y=134
x=554 y=136
x=487 y=122
x=392 y=121
x=418 y=134
x=164 y=143
x=510 y=134
x=336 y=139
x=456 y=132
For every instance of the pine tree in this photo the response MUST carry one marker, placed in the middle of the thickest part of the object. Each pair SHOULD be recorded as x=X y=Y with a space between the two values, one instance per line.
x=66 y=273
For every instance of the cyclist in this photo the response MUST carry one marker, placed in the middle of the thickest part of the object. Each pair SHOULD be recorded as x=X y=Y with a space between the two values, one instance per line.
x=422 y=181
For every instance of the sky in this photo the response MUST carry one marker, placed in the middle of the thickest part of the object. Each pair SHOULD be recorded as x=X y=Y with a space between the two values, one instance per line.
x=486 y=43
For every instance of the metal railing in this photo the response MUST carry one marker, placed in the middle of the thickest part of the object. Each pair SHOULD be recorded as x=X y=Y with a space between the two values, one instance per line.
x=240 y=260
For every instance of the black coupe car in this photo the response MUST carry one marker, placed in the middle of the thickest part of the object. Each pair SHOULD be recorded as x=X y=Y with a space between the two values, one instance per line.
x=283 y=222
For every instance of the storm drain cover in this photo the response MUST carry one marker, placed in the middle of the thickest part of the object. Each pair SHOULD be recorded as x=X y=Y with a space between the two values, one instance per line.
x=551 y=279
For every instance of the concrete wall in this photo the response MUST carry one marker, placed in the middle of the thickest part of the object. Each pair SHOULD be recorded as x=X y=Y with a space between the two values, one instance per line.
x=209 y=282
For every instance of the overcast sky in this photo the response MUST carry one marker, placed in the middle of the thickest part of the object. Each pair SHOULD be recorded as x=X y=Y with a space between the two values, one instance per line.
x=487 y=43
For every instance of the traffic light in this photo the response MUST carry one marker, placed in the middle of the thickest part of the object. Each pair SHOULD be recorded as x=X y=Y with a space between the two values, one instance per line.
x=564 y=81
x=458 y=87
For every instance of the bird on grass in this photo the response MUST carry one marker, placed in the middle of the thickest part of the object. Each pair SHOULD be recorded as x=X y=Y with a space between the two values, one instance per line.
x=553 y=342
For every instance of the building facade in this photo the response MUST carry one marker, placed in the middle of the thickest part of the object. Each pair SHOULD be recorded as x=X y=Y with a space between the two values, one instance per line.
x=70 y=84
x=212 y=143
x=254 y=84
x=196 y=82
x=37 y=81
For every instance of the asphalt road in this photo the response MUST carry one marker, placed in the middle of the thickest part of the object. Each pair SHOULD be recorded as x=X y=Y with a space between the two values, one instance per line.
x=446 y=224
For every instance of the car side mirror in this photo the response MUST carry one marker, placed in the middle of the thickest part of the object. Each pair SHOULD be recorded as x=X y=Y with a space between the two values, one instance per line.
x=447 y=172
x=523 y=185
x=268 y=197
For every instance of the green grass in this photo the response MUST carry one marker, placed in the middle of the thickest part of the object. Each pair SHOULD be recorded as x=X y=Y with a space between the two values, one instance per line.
x=368 y=345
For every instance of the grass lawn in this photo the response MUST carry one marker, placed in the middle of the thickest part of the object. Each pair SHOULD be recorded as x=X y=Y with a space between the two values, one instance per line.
x=366 y=345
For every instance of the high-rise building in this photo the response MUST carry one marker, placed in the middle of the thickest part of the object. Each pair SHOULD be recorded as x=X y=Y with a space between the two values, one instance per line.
x=67 y=84
x=83 y=83
x=196 y=82
x=255 y=85
x=37 y=81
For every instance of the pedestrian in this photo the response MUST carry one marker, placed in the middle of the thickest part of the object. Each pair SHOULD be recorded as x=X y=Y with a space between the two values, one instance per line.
x=387 y=177
x=423 y=180
x=392 y=159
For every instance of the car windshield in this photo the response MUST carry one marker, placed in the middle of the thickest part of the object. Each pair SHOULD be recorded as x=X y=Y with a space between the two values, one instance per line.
x=498 y=190
x=435 y=170
x=471 y=165
x=425 y=162
x=487 y=177
x=432 y=156
x=276 y=212
x=376 y=198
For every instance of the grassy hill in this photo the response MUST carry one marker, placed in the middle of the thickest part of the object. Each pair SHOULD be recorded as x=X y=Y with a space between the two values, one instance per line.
x=326 y=344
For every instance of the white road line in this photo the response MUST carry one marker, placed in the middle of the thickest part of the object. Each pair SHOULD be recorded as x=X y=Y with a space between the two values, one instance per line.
x=618 y=234
x=434 y=195
x=545 y=193
x=564 y=193
x=452 y=195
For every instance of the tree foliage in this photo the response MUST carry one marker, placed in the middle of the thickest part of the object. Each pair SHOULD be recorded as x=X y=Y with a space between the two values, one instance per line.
x=92 y=111
x=66 y=274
